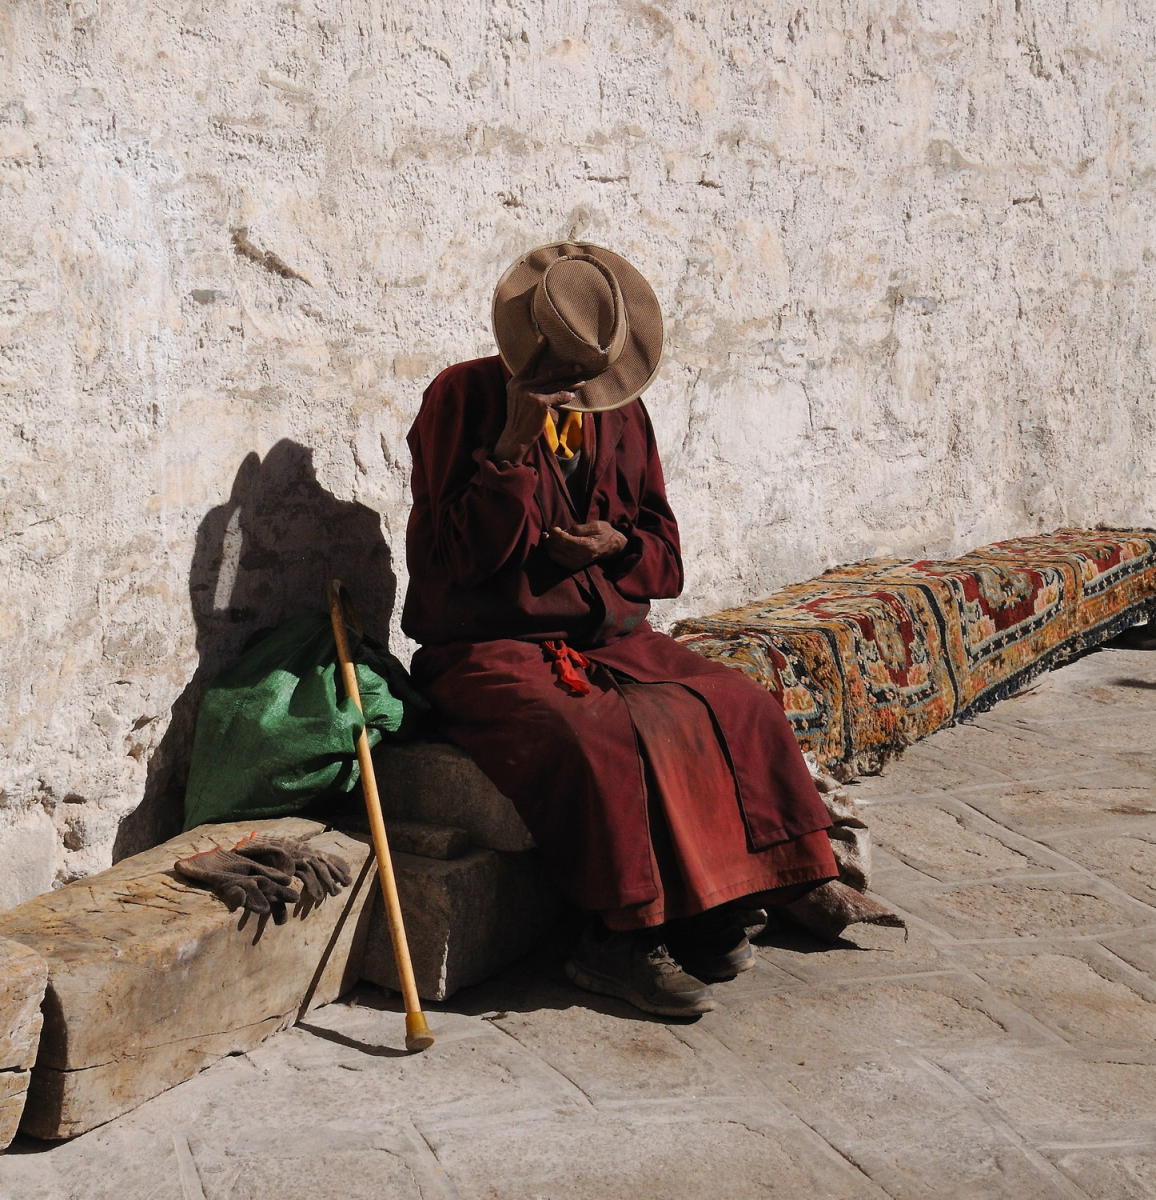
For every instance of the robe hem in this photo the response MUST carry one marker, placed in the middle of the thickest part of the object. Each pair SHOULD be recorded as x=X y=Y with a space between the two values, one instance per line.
x=613 y=917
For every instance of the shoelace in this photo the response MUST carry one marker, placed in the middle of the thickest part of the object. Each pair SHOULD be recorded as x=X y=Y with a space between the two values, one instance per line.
x=660 y=957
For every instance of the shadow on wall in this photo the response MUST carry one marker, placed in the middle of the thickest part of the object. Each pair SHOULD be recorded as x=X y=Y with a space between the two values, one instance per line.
x=262 y=557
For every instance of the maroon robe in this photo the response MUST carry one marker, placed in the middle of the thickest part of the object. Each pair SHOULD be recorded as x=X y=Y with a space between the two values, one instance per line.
x=484 y=595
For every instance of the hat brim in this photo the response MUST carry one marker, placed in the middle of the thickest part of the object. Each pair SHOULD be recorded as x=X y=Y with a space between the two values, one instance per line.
x=514 y=330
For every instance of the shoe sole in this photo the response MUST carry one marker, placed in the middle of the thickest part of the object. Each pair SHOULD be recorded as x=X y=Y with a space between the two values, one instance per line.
x=605 y=985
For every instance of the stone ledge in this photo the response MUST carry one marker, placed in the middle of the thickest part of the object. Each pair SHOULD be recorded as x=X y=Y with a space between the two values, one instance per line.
x=436 y=783
x=151 y=979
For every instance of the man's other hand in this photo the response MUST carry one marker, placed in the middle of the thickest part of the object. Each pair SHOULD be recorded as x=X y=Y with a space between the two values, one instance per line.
x=529 y=397
x=580 y=545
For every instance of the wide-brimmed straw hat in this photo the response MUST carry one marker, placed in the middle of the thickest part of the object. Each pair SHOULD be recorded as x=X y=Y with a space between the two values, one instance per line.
x=595 y=311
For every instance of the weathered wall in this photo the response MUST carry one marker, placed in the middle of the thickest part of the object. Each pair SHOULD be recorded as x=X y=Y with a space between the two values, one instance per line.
x=905 y=249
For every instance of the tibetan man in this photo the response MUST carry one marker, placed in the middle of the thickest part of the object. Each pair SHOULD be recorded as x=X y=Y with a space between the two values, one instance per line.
x=665 y=792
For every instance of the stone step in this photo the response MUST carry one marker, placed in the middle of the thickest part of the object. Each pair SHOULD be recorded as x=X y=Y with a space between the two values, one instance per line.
x=151 y=979
x=464 y=919
x=405 y=837
x=23 y=977
x=436 y=783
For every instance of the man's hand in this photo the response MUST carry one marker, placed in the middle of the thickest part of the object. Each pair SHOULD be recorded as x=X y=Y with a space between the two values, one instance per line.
x=580 y=545
x=529 y=397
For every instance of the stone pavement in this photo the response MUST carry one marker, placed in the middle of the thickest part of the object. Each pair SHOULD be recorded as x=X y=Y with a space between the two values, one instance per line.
x=1006 y=1048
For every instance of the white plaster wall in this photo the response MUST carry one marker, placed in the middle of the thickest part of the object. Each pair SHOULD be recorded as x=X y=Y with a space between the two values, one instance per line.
x=905 y=250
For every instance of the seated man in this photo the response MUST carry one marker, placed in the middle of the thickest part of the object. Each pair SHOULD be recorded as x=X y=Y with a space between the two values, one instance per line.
x=659 y=786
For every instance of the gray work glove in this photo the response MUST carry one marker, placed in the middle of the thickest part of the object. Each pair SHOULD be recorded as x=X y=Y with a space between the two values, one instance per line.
x=319 y=874
x=241 y=882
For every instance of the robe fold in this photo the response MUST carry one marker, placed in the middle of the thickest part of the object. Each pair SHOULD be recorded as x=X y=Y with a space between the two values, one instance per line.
x=484 y=596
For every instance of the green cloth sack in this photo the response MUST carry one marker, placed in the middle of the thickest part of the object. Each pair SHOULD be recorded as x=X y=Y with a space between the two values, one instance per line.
x=276 y=732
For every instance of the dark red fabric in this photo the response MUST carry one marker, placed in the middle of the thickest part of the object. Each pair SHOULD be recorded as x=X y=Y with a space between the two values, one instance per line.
x=483 y=597
x=699 y=850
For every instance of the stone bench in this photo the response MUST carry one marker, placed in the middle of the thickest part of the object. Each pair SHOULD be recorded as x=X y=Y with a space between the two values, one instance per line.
x=438 y=784
x=150 y=979
x=470 y=914
x=147 y=979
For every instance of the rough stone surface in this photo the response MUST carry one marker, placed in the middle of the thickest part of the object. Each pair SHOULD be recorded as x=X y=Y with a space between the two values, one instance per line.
x=429 y=841
x=1083 y=998
x=464 y=919
x=23 y=975
x=410 y=837
x=150 y=979
x=941 y=843
x=905 y=253
x=940 y=1065
x=440 y=784
x=1014 y=908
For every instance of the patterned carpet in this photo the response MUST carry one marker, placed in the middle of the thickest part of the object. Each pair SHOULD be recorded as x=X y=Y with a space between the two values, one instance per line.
x=870 y=657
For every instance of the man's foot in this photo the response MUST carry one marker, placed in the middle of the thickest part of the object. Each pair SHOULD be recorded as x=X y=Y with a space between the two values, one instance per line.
x=638 y=968
x=712 y=945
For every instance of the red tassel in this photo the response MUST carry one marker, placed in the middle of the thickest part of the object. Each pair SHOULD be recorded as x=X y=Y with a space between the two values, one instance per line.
x=565 y=659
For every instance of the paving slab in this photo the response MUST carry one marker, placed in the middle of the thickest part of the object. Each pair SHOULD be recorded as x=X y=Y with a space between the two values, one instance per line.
x=1062 y=1095
x=1079 y=990
x=1074 y=904
x=950 y=842
x=1118 y=1172
x=929 y=771
x=1094 y=804
x=916 y=1135
x=1014 y=752
x=1125 y=857
x=848 y=1021
x=629 y=1060
x=683 y=1155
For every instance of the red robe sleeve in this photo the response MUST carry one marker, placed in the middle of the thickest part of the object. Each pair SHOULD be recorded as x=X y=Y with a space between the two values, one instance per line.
x=479 y=515
x=650 y=567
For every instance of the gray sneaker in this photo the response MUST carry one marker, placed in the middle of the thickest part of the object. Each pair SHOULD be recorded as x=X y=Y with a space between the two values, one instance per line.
x=638 y=968
x=713 y=945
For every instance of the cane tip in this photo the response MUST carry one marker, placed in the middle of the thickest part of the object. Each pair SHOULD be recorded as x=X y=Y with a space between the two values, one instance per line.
x=417 y=1033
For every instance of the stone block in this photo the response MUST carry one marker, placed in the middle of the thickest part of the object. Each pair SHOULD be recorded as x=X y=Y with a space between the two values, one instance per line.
x=150 y=978
x=13 y=1096
x=429 y=841
x=439 y=784
x=408 y=837
x=23 y=975
x=464 y=919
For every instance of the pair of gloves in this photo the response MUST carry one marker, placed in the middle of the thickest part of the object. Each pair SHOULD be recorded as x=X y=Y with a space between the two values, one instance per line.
x=261 y=874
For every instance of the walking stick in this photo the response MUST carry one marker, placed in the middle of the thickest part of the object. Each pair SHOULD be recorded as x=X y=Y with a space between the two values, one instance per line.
x=417 y=1031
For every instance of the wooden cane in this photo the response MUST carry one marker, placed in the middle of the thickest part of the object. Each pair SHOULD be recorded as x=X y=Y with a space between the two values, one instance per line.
x=417 y=1031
